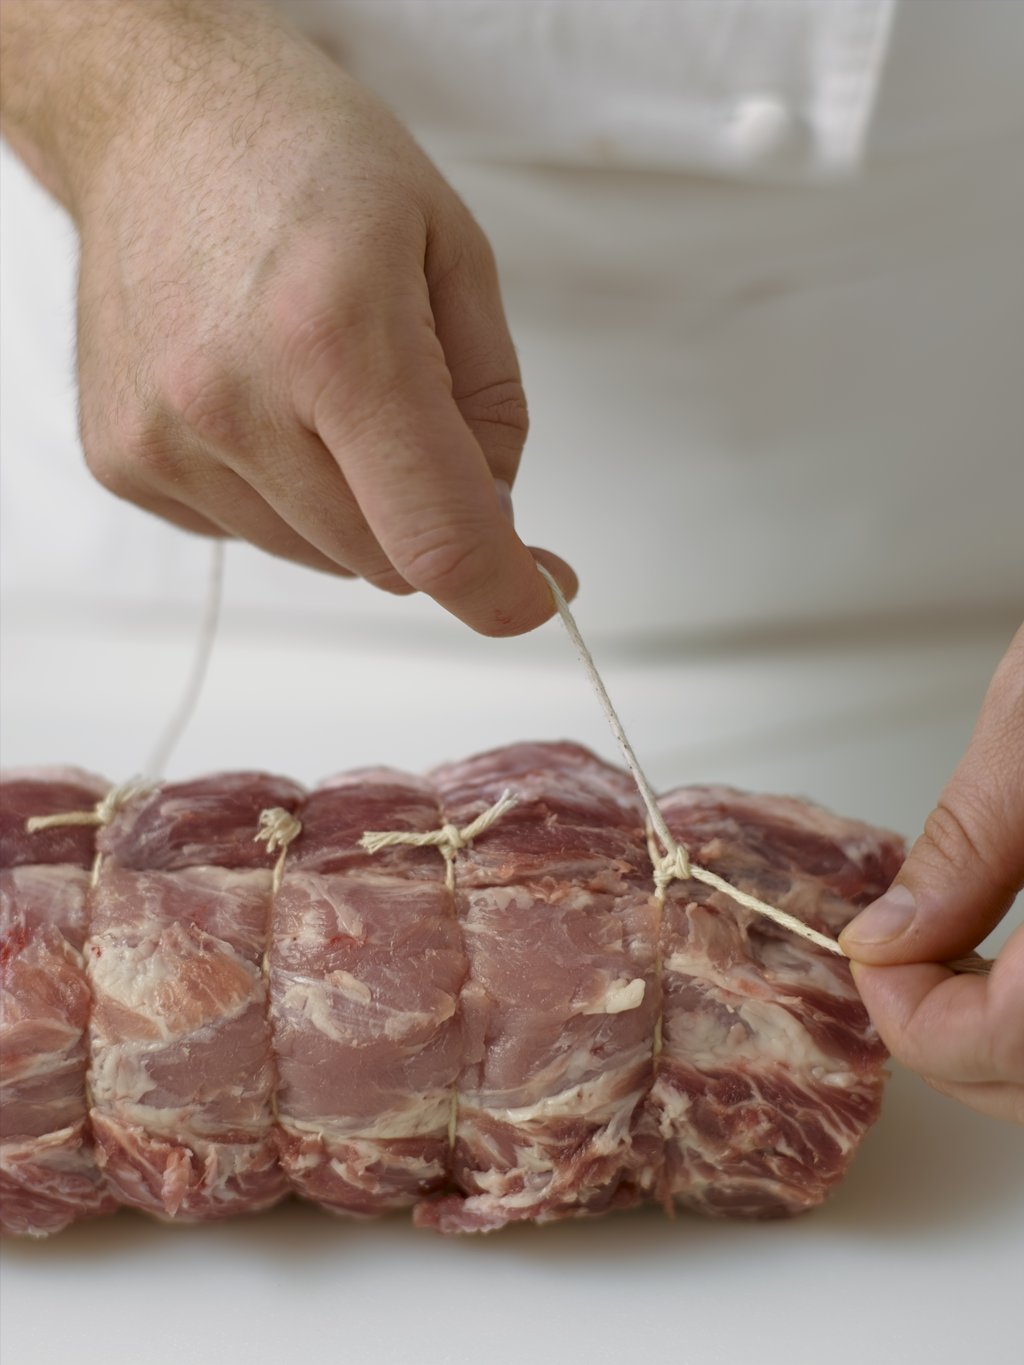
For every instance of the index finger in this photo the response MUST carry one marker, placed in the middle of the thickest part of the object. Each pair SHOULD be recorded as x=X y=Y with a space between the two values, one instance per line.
x=383 y=405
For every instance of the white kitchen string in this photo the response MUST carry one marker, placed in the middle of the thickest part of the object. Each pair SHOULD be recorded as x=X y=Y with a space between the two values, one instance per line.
x=448 y=839
x=107 y=807
x=675 y=861
x=209 y=622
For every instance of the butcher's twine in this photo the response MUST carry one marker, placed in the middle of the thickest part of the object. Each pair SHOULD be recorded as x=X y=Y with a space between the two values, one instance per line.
x=208 y=626
x=448 y=839
x=673 y=862
x=101 y=814
x=278 y=827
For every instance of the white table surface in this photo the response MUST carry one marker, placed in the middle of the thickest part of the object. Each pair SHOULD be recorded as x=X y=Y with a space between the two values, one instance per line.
x=918 y=1257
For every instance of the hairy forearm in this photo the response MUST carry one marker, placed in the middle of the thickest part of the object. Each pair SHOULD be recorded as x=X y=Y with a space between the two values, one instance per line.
x=77 y=72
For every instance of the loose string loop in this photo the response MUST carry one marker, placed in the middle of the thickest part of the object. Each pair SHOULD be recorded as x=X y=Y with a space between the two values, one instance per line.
x=448 y=839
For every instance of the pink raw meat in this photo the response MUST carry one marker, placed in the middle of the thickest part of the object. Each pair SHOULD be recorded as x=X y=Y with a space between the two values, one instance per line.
x=544 y=1037
x=561 y=999
x=770 y=1072
x=366 y=970
x=181 y=1075
x=48 y=1172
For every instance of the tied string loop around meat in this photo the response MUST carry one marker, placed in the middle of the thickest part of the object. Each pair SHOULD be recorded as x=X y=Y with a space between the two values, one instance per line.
x=448 y=839
x=99 y=816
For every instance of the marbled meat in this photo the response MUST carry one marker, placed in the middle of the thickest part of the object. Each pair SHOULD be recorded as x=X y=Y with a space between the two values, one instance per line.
x=532 y=1035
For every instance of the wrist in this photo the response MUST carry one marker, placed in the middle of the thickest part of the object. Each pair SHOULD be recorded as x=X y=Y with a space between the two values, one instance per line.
x=84 y=84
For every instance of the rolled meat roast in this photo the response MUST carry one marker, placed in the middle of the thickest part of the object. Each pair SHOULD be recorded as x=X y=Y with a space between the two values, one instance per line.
x=529 y=1034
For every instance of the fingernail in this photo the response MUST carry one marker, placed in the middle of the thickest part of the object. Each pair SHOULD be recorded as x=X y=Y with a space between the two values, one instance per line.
x=885 y=920
x=504 y=493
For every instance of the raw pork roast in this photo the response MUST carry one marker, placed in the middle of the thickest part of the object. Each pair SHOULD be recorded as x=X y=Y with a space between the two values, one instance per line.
x=544 y=1040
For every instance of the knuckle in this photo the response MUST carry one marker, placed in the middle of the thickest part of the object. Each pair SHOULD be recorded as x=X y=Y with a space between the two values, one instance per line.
x=319 y=343
x=501 y=404
x=953 y=837
x=207 y=399
x=446 y=565
x=147 y=455
x=326 y=322
x=95 y=449
x=329 y=356
x=460 y=253
x=130 y=451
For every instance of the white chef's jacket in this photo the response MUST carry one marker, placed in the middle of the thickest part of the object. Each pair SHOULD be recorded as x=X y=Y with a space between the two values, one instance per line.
x=762 y=262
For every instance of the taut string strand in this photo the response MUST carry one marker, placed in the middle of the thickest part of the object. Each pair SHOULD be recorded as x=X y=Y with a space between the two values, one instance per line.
x=674 y=861
x=175 y=727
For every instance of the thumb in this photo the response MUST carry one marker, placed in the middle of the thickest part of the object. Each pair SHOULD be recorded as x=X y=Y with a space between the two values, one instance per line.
x=964 y=871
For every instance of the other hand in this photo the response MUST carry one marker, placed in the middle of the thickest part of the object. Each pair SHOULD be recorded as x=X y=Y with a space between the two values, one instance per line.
x=963 y=1033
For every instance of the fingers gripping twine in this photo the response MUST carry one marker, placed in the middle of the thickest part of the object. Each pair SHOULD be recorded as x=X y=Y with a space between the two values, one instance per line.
x=448 y=839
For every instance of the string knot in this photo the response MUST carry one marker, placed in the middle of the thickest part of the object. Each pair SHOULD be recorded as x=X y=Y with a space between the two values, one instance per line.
x=672 y=866
x=448 y=839
x=278 y=827
x=451 y=837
